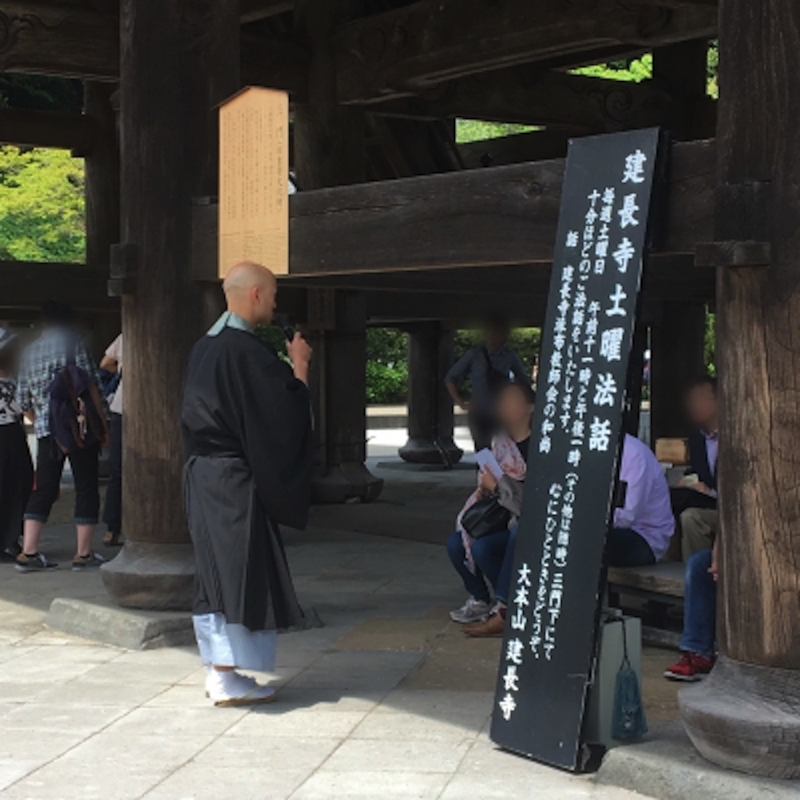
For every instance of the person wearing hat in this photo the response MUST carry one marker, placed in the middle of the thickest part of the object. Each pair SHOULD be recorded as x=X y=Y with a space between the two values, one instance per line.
x=16 y=468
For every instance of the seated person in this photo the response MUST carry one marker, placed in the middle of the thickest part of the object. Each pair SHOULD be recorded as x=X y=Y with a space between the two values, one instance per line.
x=478 y=561
x=496 y=623
x=644 y=526
x=699 y=618
x=699 y=517
x=641 y=534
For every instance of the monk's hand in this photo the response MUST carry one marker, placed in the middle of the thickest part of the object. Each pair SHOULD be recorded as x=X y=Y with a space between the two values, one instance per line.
x=300 y=352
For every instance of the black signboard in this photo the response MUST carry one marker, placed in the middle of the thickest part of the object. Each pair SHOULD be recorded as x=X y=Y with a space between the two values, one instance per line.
x=549 y=644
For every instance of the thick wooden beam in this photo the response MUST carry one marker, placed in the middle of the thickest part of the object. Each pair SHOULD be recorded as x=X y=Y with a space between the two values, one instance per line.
x=525 y=94
x=26 y=285
x=510 y=214
x=669 y=276
x=82 y=41
x=516 y=149
x=72 y=40
x=392 y=54
x=26 y=128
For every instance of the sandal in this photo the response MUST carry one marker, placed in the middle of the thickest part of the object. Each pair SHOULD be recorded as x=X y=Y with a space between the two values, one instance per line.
x=112 y=539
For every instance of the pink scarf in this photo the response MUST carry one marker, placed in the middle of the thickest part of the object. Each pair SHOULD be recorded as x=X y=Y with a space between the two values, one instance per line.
x=512 y=463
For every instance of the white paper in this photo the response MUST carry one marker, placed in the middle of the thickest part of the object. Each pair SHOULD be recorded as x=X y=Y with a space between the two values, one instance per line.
x=487 y=461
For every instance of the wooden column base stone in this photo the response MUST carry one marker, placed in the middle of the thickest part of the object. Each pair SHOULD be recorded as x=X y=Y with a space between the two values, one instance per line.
x=747 y=718
x=423 y=450
x=346 y=482
x=151 y=576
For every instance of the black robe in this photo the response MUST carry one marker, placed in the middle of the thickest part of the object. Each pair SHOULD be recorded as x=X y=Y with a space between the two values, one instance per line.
x=246 y=425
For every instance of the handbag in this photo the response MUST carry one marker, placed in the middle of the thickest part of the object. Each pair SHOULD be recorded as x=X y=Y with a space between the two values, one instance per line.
x=484 y=517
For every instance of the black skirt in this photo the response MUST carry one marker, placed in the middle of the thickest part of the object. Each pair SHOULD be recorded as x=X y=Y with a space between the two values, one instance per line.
x=16 y=482
x=241 y=567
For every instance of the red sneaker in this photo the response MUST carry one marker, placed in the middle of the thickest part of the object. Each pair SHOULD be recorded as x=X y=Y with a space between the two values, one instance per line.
x=690 y=668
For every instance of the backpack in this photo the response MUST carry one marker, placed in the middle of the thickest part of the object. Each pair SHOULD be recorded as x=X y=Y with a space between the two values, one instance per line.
x=76 y=416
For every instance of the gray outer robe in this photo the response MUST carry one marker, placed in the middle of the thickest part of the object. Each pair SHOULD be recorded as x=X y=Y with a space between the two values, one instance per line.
x=246 y=426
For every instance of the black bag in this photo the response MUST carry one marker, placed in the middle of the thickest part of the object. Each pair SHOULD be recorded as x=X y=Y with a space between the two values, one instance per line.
x=485 y=517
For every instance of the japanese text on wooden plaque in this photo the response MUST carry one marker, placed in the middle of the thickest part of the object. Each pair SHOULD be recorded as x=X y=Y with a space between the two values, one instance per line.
x=253 y=180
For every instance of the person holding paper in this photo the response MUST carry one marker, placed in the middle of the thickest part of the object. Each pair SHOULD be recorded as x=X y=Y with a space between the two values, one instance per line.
x=478 y=553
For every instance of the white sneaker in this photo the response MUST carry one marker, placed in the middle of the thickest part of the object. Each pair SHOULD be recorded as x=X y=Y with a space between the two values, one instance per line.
x=472 y=611
x=232 y=689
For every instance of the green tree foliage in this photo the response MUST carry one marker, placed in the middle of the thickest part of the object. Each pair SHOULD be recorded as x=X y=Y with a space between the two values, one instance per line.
x=473 y=130
x=41 y=205
x=711 y=343
x=41 y=191
x=387 y=366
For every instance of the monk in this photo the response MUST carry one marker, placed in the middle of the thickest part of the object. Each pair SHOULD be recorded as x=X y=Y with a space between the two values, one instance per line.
x=246 y=426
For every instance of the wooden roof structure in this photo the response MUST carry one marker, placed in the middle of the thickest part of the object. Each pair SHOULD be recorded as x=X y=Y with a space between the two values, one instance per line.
x=396 y=222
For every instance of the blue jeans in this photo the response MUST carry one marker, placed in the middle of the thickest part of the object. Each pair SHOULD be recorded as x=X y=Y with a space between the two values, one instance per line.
x=700 y=606
x=626 y=548
x=488 y=553
x=503 y=586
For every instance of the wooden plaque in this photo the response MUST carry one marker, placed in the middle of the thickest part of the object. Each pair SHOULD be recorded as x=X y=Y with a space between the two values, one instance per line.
x=254 y=180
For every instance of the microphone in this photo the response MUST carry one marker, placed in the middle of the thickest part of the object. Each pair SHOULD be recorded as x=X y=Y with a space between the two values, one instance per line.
x=282 y=321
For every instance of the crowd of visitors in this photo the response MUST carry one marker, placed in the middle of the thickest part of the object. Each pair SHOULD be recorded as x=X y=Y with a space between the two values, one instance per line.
x=53 y=383
x=647 y=516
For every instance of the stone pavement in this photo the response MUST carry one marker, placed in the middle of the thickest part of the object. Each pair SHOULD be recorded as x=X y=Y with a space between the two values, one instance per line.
x=388 y=700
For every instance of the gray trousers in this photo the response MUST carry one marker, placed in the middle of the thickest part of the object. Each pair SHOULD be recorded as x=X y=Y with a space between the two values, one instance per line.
x=699 y=528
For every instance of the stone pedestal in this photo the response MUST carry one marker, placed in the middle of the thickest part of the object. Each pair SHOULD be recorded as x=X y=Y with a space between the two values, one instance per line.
x=159 y=577
x=747 y=718
x=430 y=408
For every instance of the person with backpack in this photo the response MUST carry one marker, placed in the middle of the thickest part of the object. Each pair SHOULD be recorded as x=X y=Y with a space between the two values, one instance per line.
x=58 y=390
x=16 y=469
x=488 y=367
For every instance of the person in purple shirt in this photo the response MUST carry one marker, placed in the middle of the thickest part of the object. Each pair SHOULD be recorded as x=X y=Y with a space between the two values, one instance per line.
x=644 y=526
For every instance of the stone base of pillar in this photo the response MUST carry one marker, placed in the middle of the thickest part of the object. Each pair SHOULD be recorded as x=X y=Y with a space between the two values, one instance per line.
x=344 y=483
x=156 y=577
x=747 y=718
x=421 y=450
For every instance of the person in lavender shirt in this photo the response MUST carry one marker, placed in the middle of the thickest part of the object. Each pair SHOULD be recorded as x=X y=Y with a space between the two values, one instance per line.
x=644 y=526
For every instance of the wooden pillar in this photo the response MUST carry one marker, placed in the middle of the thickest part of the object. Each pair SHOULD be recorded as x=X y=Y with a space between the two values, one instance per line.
x=178 y=59
x=681 y=69
x=430 y=407
x=677 y=356
x=747 y=714
x=102 y=193
x=330 y=151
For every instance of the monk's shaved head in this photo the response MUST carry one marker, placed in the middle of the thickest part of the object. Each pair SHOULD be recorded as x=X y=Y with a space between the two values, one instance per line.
x=246 y=276
x=250 y=291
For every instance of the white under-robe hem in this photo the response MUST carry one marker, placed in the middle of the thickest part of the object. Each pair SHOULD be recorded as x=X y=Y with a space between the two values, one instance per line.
x=231 y=645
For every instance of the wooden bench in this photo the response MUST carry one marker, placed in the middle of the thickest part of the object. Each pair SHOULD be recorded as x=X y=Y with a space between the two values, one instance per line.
x=661 y=585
